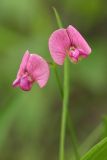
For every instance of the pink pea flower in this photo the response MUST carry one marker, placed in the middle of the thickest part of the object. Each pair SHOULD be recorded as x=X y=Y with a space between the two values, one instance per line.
x=33 y=69
x=69 y=42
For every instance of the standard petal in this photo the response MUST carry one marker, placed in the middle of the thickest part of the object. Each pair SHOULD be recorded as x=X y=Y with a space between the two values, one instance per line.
x=59 y=43
x=77 y=40
x=23 y=63
x=38 y=69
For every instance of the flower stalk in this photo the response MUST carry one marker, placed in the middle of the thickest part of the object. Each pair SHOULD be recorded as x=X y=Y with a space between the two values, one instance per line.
x=65 y=96
x=64 y=110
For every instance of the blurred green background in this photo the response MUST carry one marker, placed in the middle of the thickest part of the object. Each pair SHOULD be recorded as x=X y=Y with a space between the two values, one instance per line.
x=30 y=121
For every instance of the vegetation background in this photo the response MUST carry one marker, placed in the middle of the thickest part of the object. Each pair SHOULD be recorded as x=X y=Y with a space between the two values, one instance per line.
x=30 y=121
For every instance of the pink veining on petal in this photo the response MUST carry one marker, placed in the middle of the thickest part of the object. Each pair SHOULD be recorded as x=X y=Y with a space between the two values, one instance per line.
x=69 y=42
x=77 y=40
x=33 y=68
x=23 y=63
x=59 y=43
x=38 y=68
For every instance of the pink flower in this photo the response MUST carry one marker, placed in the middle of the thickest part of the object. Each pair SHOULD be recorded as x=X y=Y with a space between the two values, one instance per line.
x=33 y=69
x=69 y=42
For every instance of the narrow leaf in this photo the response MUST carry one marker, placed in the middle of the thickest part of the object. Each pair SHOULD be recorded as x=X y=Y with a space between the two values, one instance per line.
x=58 y=19
x=98 y=152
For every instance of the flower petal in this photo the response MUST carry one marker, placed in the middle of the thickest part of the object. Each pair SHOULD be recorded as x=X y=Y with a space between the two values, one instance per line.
x=59 y=43
x=38 y=69
x=23 y=63
x=77 y=40
x=25 y=84
x=16 y=82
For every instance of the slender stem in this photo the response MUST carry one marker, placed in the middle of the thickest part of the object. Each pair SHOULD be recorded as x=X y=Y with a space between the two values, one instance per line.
x=90 y=140
x=64 y=110
x=69 y=119
x=65 y=96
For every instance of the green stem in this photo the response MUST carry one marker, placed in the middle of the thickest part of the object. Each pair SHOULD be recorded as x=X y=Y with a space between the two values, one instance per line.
x=64 y=110
x=69 y=119
x=65 y=96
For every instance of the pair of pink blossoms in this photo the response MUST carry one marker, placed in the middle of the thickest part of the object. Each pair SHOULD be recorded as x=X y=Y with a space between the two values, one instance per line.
x=63 y=42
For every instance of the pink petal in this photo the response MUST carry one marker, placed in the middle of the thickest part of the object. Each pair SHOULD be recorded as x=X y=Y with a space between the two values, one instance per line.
x=16 y=82
x=23 y=63
x=59 y=43
x=38 y=69
x=77 y=40
x=25 y=84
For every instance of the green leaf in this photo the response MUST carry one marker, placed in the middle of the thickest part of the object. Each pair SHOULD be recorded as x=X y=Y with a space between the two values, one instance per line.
x=98 y=152
x=58 y=19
